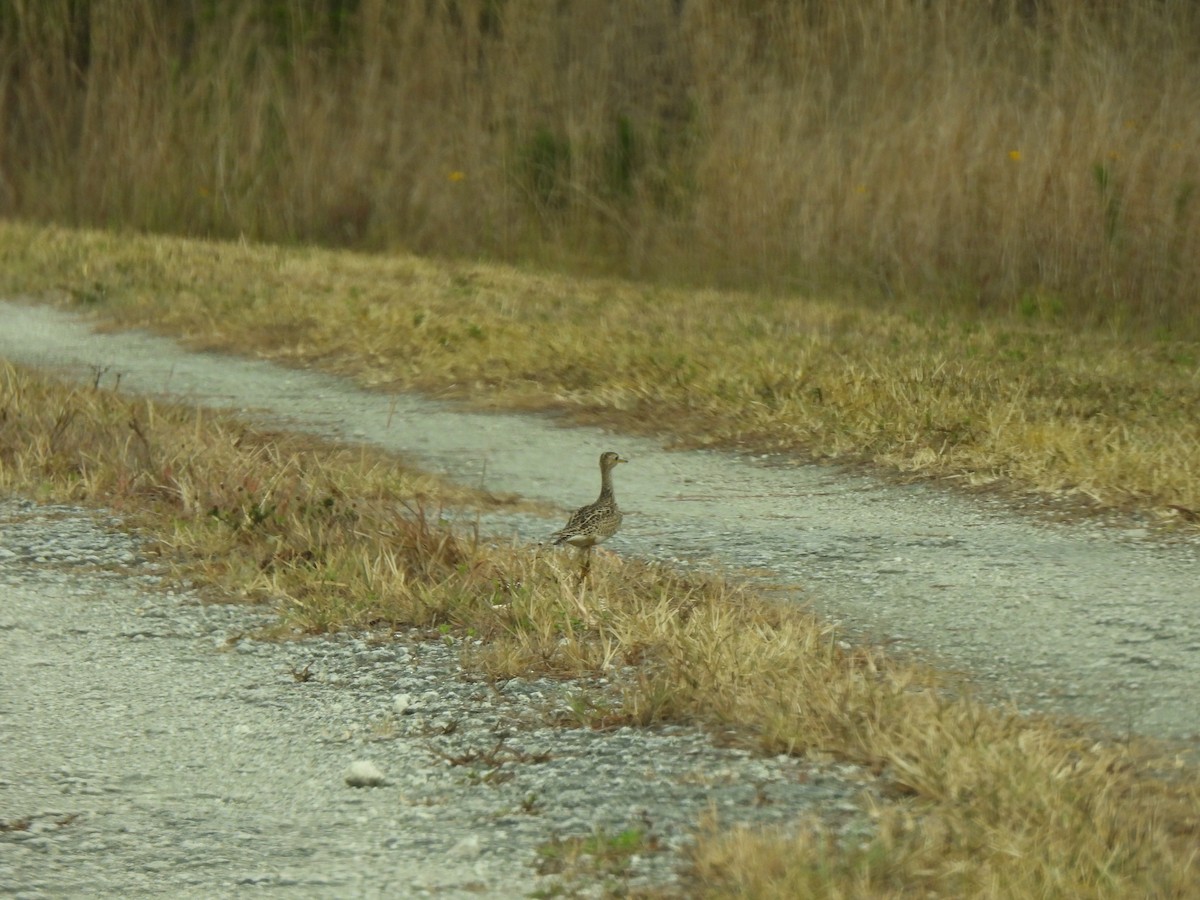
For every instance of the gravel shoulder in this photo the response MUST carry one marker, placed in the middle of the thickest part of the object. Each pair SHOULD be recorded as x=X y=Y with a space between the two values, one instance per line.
x=152 y=747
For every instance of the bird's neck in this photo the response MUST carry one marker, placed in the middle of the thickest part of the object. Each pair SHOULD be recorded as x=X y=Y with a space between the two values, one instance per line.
x=606 y=488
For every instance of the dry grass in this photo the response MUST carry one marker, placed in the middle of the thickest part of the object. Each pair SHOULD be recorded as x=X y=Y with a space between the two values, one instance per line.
x=1025 y=403
x=272 y=517
x=994 y=154
x=980 y=803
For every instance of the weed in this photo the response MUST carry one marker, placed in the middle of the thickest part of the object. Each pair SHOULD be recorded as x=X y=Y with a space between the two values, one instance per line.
x=603 y=852
x=622 y=158
x=547 y=168
x=488 y=766
x=1110 y=200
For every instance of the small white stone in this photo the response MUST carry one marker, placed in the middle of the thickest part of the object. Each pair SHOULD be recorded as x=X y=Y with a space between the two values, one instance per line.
x=401 y=703
x=364 y=773
x=468 y=848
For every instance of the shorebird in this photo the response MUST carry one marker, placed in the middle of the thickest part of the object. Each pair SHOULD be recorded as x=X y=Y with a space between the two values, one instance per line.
x=597 y=522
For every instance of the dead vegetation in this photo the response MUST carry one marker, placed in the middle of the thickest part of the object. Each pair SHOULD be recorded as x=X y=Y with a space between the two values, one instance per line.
x=1013 y=155
x=980 y=803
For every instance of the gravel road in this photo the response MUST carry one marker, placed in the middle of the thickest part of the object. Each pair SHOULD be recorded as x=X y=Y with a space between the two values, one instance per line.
x=150 y=747
x=142 y=752
x=1084 y=619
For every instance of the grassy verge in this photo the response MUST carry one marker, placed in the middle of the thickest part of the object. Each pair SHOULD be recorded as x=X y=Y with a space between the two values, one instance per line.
x=981 y=803
x=1026 y=404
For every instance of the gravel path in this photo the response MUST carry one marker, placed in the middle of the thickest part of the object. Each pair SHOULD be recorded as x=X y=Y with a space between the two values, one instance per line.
x=1084 y=619
x=149 y=747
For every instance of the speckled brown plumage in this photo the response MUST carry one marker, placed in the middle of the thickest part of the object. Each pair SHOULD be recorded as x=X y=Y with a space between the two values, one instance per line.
x=597 y=522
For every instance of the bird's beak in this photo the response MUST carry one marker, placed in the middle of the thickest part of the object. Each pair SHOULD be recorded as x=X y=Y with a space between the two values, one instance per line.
x=622 y=459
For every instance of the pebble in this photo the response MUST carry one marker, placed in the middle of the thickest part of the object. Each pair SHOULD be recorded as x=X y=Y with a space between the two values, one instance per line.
x=364 y=773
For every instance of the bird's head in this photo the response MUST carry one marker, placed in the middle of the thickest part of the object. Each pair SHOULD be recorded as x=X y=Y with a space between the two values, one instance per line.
x=608 y=459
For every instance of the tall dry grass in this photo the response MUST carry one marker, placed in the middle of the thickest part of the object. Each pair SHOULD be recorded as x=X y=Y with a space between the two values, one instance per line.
x=1038 y=154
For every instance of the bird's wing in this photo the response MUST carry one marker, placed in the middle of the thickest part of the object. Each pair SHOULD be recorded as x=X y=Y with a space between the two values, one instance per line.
x=574 y=524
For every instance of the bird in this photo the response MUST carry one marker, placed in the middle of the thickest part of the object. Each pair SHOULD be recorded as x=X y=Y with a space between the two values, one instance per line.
x=597 y=522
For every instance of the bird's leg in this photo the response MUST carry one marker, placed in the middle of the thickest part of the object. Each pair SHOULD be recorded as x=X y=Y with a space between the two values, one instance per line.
x=586 y=568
